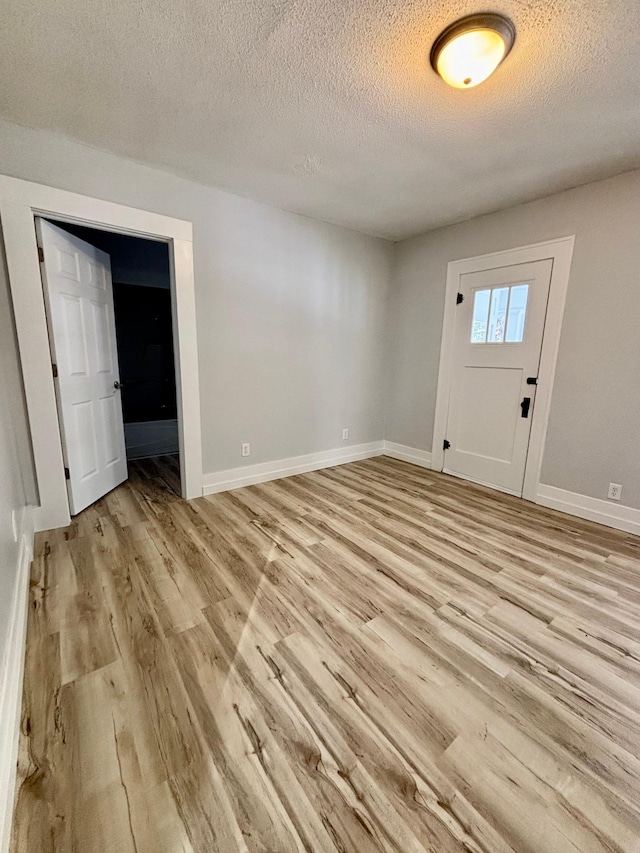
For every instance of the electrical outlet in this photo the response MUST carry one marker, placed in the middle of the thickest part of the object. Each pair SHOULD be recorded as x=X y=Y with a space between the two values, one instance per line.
x=345 y=434
x=615 y=491
x=246 y=449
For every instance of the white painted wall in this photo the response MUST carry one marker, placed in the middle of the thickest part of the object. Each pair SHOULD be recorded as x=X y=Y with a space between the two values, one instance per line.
x=290 y=311
x=594 y=429
x=17 y=489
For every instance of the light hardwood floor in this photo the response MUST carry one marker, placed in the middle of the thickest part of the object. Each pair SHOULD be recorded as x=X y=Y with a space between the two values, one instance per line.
x=372 y=657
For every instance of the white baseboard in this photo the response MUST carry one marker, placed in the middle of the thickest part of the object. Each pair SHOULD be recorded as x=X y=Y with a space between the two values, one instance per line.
x=604 y=512
x=407 y=454
x=12 y=676
x=248 y=475
x=593 y=509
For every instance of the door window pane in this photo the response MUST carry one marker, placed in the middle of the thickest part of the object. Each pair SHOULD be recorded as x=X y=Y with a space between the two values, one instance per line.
x=517 y=312
x=498 y=314
x=480 y=315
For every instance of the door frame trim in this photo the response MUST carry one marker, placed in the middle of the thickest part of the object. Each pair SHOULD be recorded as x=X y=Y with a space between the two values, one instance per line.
x=560 y=251
x=20 y=202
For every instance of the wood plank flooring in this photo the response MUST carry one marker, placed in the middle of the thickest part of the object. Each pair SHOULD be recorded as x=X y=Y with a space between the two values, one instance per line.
x=367 y=658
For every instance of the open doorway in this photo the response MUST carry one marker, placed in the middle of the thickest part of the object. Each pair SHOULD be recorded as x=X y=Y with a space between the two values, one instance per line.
x=111 y=331
x=20 y=201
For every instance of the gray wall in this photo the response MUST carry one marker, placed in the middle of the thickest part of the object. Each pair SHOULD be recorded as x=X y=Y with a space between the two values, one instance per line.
x=594 y=428
x=295 y=335
x=290 y=311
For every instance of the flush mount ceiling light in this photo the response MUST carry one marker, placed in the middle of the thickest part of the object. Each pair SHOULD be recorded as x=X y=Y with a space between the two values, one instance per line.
x=470 y=50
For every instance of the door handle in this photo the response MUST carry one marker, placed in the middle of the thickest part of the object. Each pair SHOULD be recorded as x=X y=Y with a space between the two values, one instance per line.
x=117 y=385
x=524 y=405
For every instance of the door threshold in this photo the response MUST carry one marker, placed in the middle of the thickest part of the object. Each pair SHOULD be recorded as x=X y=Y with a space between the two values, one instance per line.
x=515 y=494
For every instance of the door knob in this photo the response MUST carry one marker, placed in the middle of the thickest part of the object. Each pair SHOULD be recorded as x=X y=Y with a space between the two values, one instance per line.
x=117 y=385
x=524 y=405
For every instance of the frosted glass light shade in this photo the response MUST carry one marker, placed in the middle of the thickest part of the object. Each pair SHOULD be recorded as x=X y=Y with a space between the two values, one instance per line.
x=470 y=50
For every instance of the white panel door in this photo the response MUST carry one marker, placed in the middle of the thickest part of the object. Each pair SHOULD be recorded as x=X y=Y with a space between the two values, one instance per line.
x=497 y=342
x=82 y=336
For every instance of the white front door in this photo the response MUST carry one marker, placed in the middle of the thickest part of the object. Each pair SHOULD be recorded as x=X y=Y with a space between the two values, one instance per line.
x=499 y=325
x=82 y=336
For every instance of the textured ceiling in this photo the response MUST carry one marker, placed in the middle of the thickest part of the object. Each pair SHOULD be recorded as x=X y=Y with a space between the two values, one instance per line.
x=330 y=107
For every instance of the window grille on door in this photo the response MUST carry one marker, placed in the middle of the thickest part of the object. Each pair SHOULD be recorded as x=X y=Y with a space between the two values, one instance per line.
x=499 y=315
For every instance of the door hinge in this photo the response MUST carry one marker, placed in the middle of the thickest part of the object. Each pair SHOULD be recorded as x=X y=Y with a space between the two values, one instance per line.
x=67 y=475
x=54 y=370
x=41 y=254
x=446 y=444
x=459 y=298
